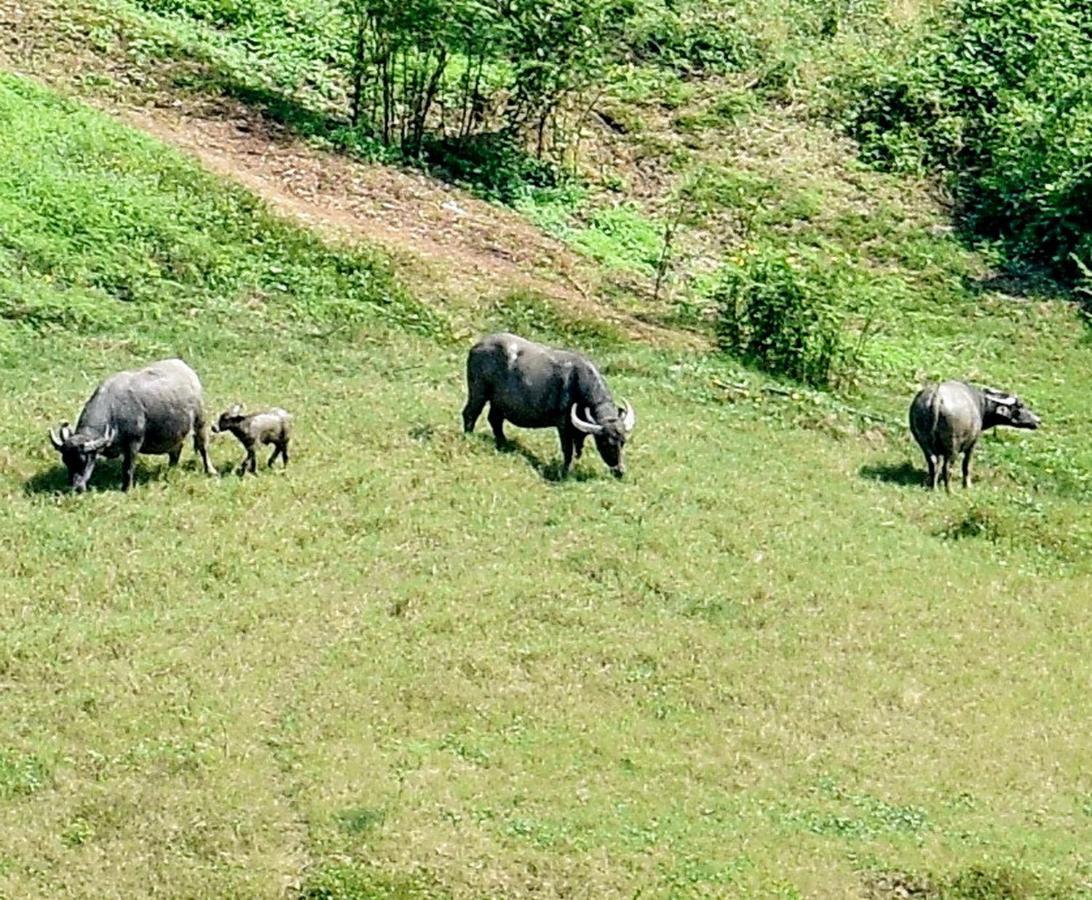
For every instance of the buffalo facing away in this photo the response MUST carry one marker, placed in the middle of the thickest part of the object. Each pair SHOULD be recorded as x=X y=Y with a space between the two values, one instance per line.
x=149 y=410
x=533 y=386
x=948 y=419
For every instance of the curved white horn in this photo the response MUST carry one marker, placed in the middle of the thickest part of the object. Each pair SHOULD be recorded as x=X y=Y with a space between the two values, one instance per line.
x=106 y=440
x=629 y=417
x=580 y=425
x=56 y=440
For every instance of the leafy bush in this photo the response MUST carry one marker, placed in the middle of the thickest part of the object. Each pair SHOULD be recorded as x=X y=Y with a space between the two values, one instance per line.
x=494 y=164
x=998 y=94
x=692 y=39
x=775 y=310
x=218 y=12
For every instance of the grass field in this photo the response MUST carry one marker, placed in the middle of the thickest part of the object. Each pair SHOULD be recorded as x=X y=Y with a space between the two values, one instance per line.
x=764 y=664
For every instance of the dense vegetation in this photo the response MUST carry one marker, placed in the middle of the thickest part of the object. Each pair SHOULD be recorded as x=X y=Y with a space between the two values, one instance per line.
x=997 y=93
x=765 y=664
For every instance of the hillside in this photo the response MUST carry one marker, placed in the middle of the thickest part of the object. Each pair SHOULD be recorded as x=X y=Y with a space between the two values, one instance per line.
x=766 y=663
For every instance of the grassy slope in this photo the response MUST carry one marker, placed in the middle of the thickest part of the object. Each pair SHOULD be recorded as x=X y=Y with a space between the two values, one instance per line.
x=747 y=668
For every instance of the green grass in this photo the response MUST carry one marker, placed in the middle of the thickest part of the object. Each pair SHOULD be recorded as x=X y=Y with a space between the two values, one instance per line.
x=765 y=664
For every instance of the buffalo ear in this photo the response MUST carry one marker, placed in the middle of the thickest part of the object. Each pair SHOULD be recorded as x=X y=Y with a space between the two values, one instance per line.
x=629 y=417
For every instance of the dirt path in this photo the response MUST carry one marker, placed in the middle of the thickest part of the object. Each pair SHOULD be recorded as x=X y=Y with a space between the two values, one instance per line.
x=455 y=244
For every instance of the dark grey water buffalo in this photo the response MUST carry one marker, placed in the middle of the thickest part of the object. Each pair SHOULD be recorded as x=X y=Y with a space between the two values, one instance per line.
x=273 y=426
x=948 y=419
x=149 y=410
x=533 y=386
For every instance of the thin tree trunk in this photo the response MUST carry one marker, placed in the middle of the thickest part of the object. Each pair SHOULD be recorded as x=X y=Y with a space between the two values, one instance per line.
x=464 y=107
x=358 y=71
x=429 y=95
x=477 y=112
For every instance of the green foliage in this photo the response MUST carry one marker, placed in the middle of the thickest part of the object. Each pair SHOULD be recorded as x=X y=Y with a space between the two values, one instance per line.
x=425 y=72
x=776 y=310
x=345 y=882
x=622 y=237
x=21 y=774
x=494 y=165
x=692 y=38
x=997 y=93
x=216 y=12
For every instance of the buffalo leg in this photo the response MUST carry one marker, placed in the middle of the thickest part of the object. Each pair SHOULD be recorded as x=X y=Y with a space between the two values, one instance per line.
x=578 y=443
x=496 y=422
x=931 y=478
x=128 y=467
x=946 y=474
x=475 y=403
x=174 y=455
x=247 y=462
x=566 y=449
x=967 y=467
x=201 y=445
x=280 y=450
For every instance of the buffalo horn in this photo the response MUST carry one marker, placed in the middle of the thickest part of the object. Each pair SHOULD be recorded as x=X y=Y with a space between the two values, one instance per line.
x=581 y=425
x=106 y=440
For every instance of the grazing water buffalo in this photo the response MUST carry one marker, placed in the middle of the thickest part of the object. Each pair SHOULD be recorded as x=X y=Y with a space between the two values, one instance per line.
x=533 y=386
x=147 y=410
x=271 y=427
x=948 y=419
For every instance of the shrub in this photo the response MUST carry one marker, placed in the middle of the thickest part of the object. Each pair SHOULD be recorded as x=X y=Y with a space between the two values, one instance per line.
x=693 y=39
x=494 y=164
x=998 y=95
x=217 y=12
x=775 y=311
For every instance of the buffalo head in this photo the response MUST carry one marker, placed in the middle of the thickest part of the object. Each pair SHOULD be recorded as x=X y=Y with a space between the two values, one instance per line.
x=80 y=452
x=610 y=434
x=1007 y=409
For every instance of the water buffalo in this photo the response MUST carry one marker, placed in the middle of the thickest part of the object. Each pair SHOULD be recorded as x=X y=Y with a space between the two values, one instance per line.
x=948 y=419
x=533 y=386
x=271 y=427
x=148 y=410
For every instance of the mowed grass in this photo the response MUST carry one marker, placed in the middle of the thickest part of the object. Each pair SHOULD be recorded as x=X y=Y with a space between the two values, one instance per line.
x=764 y=664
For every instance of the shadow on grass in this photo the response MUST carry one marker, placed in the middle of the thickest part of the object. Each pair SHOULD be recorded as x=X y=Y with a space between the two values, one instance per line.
x=1028 y=285
x=106 y=477
x=548 y=470
x=284 y=110
x=904 y=474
